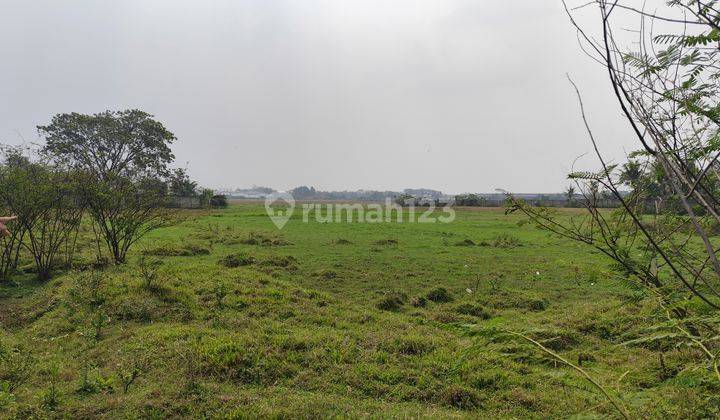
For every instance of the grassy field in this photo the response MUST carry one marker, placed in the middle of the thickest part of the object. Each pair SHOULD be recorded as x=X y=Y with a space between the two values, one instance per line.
x=341 y=319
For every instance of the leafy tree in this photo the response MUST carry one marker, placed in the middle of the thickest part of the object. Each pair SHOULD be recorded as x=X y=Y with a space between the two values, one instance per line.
x=666 y=85
x=219 y=200
x=631 y=174
x=180 y=184
x=470 y=200
x=570 y=194
x=206 y=196
x=303 y=192
x=123 y=157
x=110 y=144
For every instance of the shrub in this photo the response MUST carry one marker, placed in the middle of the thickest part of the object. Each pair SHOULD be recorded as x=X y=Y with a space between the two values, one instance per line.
x=439 y=295
x=47 y=201
x=218 y=200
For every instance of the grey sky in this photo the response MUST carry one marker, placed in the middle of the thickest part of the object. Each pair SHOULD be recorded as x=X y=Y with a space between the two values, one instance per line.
x=457 y=95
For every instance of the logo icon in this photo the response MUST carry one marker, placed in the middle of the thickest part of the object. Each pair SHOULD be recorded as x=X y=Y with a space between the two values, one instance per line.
x=279 y=206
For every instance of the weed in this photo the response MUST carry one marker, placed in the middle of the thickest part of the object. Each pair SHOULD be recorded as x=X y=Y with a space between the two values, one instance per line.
x=50 y=398
x=127 y=376
x=98 y=323
x=149 y=271
x=86 y=386
x=220 y=293
x=15 y=367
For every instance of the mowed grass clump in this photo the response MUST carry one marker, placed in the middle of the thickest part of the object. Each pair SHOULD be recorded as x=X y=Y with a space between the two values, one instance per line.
x=279 y=261
x=387 y=320
x=392 y=301
x=473 y=310
x=264 y=239
x=439 y=295
x=238 y=259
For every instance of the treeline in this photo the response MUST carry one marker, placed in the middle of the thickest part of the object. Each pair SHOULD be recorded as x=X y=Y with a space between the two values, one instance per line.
x=424 y=197
x=310 y=193
x=109 y=168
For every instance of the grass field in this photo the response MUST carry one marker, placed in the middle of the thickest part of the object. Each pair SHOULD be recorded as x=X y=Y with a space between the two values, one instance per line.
x=338 y=319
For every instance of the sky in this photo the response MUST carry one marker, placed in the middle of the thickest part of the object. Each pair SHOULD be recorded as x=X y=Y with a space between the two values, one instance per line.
x=454 y=95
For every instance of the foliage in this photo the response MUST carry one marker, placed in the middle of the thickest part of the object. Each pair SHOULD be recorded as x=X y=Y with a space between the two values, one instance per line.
x=471 y=200
x=180 y=184
x=110 y=144
x=218 y=200
x=666 y=87
x=123 y=157
x=49 y=206
x=124 y=210
x=206 y=196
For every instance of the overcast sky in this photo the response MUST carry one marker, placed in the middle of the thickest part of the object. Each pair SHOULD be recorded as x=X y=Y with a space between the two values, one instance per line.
x=456 y=95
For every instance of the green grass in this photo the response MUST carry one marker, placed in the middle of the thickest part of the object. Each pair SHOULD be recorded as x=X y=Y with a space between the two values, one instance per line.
x=338 y=319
